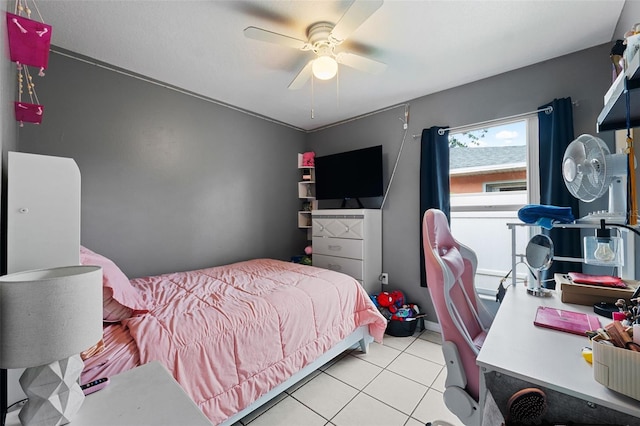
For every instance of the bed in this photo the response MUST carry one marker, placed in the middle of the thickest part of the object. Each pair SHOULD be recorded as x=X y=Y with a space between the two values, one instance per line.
x=233 y=336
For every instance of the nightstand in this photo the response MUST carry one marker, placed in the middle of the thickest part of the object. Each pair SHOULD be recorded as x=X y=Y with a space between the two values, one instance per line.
x=145 y=395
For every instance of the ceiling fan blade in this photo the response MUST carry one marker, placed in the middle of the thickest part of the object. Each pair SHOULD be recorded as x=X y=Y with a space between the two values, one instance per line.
x=358 y=12
x=271 y=37
x=361 y=63
x=302 y=77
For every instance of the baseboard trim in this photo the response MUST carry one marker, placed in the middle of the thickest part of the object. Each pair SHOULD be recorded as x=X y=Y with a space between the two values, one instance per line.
x=432 y=326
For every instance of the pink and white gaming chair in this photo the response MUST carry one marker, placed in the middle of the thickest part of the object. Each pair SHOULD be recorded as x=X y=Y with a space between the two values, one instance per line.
x=464 y=320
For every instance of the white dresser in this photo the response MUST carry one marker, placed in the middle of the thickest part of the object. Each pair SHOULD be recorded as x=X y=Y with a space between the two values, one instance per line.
x=349 y=241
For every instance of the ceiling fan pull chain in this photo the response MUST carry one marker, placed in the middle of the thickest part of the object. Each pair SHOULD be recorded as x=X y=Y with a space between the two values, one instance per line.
x=338 y=88
x=312 y=114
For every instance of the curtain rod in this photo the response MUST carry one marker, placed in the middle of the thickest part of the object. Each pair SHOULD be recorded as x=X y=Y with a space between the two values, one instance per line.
x=547 y=110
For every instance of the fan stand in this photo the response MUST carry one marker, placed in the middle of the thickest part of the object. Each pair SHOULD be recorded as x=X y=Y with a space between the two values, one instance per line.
x=617 y=204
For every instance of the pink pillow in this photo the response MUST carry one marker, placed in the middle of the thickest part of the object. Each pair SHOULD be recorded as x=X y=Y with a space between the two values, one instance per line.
x=120 y=299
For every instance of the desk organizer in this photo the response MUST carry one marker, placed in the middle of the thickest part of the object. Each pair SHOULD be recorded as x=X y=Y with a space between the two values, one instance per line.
x=589 y=295
x=616 y=368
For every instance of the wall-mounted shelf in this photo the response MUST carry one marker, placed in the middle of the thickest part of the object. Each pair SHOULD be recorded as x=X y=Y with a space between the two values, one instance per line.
x=614 y=113
x=307 y=196
x=518 y=257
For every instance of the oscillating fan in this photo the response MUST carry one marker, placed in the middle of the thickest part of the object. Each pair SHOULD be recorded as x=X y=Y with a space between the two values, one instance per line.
x=589 y=169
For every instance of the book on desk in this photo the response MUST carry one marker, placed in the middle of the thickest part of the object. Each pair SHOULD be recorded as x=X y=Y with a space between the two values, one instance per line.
x=567 y=321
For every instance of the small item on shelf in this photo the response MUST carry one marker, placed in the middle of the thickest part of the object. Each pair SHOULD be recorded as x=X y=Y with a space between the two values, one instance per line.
x=617 y=59
x=308 y=159
x=600 y=280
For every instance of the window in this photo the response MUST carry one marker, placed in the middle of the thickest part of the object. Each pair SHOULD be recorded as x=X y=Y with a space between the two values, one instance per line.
x=490 y=180
x=520 y=185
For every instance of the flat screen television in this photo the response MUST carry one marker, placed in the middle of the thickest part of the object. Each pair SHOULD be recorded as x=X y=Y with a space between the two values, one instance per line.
x=350 y=175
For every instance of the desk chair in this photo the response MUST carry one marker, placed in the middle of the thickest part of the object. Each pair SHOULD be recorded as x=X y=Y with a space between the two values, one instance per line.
x=464 y=320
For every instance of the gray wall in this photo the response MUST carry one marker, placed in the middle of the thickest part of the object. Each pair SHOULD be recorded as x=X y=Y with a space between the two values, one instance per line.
x=8 y=141
x=8 y=124
x=169 y=181
x=584 y=76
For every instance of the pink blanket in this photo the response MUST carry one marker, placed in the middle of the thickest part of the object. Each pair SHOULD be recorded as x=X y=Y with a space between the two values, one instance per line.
x=229 y=334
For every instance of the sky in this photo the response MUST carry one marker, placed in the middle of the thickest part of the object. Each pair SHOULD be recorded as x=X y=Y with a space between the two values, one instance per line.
x=512 y=134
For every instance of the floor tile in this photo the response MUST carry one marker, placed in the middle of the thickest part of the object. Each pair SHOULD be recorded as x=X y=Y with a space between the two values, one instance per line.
x=336 y=359
x=354 y=371
x=378 y=354
x=415 y=368
x=439 y=383
x=365 y=410
x=431 y=336
x=400 y=343
x=427 y=350
x=325 y=395
x=432 y=408
x=302 y=382
x=251 y=416
x=289 y=412
x=397 y=391
x=413 y=422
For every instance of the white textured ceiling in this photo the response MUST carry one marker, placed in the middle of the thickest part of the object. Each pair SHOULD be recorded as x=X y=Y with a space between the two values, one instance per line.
x=429 y=46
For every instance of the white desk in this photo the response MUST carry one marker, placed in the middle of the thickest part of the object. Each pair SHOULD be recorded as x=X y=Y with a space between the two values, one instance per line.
x=145 y=395
x=546 y=358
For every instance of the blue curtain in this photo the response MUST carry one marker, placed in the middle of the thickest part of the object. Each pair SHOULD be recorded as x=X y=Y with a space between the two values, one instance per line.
x=434 y=180
x=555 y=134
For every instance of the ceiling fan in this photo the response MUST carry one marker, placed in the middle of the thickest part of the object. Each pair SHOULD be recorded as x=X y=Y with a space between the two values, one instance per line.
x=322 y=39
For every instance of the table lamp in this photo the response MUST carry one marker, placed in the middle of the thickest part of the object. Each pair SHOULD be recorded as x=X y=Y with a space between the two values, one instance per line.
x=47 y=317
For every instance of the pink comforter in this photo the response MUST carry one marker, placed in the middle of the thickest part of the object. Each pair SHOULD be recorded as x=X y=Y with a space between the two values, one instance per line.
x=229 y=334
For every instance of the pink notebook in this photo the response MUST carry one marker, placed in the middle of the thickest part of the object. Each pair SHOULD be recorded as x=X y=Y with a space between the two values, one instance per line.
x=569 y=321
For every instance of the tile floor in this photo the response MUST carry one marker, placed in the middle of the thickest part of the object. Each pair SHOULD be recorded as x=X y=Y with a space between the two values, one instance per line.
x=398 y=383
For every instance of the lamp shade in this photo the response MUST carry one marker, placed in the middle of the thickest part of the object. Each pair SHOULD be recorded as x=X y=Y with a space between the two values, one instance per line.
x=324 y=67
x=49 y=314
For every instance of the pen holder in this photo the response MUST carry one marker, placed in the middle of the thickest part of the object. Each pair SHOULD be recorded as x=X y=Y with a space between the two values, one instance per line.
x=616 y=368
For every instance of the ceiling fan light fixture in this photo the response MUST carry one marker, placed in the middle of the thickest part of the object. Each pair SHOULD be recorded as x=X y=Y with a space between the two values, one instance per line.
x=324 y=68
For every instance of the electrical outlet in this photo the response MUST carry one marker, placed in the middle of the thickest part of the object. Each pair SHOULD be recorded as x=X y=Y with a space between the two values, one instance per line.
x=384 y=277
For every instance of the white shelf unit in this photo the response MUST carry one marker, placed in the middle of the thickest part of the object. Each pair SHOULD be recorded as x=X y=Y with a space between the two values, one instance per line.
x=306 y=194
x=628 y=270
x=349 y=241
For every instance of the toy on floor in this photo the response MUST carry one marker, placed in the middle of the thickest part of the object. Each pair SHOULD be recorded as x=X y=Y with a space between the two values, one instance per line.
x=390 y=300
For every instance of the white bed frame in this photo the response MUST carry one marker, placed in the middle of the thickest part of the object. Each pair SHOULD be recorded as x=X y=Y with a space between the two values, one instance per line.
x=360 y=337
x=43 y=230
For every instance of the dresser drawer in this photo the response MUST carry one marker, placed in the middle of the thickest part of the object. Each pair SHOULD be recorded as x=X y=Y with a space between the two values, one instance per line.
x=340 y=227
x=350 y=267
x=341 y=247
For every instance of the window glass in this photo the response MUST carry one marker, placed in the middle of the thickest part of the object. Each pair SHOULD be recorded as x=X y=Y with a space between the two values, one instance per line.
x=489 y=183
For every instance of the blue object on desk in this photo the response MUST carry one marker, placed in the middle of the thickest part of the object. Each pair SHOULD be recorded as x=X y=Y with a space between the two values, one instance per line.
x=545 y=216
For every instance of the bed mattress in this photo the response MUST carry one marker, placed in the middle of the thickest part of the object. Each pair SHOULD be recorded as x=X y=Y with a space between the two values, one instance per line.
x=231 y=333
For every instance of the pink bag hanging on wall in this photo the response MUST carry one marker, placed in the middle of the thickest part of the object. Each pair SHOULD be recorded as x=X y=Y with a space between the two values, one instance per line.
x=29 y=113
x=29 y=41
